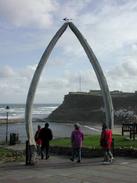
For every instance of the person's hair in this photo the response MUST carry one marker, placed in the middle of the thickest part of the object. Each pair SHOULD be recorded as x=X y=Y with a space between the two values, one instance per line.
x=39 y=126
x=77 y=126
x=104 y=126
x=46 y=125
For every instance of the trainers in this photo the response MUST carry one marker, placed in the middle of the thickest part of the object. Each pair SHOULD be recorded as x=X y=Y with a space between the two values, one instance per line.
x=47 y=157
x=71 y=159
x=111 y=159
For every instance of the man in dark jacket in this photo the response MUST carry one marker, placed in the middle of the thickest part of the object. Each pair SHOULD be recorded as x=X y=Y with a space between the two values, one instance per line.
x=45 y=136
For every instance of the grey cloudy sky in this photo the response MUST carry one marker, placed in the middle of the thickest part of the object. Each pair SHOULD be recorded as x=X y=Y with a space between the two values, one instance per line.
x=26 y=27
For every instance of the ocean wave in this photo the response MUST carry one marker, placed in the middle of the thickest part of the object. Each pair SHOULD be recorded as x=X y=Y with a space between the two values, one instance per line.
x=18 y=111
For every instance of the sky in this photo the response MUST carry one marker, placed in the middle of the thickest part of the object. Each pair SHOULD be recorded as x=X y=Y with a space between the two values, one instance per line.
x=26 y=28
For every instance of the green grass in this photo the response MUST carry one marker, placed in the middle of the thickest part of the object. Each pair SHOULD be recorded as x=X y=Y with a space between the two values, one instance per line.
x=65 y=142
x=5 y=152
x=124 y=142
x=7 y=155
x=93 y=142
x=90 y=141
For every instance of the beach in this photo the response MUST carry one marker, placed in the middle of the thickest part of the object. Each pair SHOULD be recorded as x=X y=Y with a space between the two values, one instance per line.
x=11 y=121
x=16 y=122
x=59 y=129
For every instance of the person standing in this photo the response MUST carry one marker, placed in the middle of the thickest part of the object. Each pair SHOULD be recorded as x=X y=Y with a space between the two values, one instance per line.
x=77 y=138
x=46 y=136
x=38 y=140
x=106 y=143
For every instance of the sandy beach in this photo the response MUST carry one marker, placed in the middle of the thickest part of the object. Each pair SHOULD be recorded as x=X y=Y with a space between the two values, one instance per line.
x=11 y=121
x=116 y=129
x=19 y=120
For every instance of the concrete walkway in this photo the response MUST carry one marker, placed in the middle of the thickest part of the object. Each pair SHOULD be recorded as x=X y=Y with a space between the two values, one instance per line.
x=60 y=170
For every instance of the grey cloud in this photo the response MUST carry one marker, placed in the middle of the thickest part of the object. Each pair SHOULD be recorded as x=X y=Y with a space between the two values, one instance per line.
x=130 y=67
x=7 y=72
x=124 y=76
x=32 y=12
x=108 y=31
x=127 y=69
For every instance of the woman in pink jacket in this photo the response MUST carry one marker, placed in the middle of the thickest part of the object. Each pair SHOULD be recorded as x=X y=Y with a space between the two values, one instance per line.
x=77 y=138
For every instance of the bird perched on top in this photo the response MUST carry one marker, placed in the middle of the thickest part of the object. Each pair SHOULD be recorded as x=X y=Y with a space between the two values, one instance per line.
x=66 y=19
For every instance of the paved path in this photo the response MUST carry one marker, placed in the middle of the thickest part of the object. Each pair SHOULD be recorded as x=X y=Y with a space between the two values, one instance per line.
x=61 y=170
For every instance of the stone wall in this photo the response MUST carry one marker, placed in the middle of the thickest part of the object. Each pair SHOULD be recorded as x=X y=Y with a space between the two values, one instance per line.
x=90 y=153
x=86 y=152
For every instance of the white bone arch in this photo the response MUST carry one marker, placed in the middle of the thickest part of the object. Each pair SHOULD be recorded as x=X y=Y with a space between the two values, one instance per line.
x=96 y=66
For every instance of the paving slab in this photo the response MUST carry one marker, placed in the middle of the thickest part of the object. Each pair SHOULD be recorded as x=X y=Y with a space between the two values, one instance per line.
x=60 y=169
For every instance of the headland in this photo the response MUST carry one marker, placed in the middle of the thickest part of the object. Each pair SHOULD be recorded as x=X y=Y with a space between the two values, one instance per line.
x=88 y=107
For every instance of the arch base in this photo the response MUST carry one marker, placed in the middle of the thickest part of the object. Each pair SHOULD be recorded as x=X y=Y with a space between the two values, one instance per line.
x=30 y=154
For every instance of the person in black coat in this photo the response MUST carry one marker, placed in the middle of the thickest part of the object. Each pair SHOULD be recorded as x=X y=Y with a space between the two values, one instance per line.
x=45 y=136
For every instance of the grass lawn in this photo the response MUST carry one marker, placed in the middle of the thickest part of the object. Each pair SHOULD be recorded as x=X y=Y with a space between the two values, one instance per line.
x=93 y=142
x=7 y=155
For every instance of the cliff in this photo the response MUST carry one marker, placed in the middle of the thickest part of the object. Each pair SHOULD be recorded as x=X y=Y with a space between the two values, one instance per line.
x=89 y=107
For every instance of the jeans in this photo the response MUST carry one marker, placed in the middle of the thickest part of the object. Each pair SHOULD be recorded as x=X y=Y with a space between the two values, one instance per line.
x=38 y=149
x=107 y=154
x=76 y=153
x=45 y=150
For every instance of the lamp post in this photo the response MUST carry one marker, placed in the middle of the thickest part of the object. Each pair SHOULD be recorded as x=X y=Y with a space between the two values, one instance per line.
x=7 y=122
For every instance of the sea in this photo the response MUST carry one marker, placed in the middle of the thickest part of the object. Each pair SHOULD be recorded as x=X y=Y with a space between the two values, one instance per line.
x=16 y=111
x=39 y=112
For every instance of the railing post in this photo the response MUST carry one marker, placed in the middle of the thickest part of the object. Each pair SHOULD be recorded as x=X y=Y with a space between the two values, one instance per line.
x=27 y=152
x=122 y=129
x=113 y=147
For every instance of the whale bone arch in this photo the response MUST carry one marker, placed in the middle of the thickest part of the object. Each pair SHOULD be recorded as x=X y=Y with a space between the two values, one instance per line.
x=95 y=64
